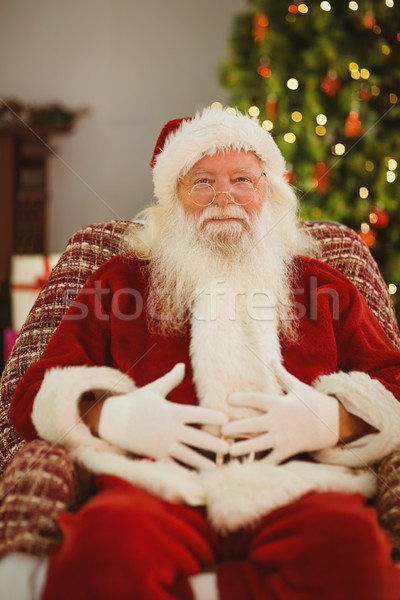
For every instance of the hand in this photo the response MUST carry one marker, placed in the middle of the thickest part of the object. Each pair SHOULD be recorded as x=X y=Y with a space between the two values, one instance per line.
x=301 y=420
x=145 y=423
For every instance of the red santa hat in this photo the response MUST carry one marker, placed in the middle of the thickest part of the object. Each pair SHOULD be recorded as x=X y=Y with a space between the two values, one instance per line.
x=183 y=142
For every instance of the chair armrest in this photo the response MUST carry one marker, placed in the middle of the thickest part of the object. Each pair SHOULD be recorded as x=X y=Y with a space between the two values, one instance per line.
x=388 y=498
x=39 y=484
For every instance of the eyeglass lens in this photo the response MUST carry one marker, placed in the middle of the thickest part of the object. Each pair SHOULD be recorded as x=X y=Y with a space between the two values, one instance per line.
x=241 y=192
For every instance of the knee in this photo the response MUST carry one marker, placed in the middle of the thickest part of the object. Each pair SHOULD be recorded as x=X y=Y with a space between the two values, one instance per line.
x=123 y=518
x=340 y=530
x=344 y=520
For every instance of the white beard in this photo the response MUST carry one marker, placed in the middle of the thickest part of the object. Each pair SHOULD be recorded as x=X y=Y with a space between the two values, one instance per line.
x=230 y=280
x=192 y=252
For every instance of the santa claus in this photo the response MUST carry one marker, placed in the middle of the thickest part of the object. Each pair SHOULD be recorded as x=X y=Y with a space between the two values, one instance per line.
x=227 y=389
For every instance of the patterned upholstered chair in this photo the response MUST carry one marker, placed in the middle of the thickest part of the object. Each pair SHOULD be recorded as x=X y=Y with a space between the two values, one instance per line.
x=38 y=480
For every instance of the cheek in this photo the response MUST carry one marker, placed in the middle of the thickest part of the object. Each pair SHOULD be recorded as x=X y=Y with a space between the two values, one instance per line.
x=254 y=208
x=189 y=207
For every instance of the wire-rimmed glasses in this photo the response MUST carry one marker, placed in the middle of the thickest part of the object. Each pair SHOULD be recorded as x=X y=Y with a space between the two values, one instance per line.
x=240 y=193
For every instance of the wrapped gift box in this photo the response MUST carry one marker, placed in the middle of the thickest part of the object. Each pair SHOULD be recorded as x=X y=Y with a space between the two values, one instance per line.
x=9 y=339
x=29 y=272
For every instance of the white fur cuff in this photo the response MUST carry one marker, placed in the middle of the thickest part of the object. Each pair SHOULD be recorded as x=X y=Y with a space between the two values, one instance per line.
x=55 y=412
x=56 y=417
x=368 y=399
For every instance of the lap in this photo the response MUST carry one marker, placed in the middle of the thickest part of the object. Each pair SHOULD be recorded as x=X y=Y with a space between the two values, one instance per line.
x=125 y=537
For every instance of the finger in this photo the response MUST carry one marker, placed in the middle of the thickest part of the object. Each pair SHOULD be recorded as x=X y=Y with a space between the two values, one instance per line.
x=169 y=381
x=190 y=457
x=200 y=415
x=249 y=399
x=250 y=425
x=201 y=439
x=261 y=443
x=275 y=457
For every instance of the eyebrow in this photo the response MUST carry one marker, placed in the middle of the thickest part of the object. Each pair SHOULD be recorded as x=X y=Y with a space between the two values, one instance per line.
x=212 y=171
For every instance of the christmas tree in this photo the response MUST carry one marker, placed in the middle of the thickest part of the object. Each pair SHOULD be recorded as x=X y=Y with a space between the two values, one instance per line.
x=324 y=79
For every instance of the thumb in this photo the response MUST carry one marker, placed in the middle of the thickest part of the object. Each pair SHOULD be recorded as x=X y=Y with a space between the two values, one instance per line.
x=169 y=381
x=285 y=379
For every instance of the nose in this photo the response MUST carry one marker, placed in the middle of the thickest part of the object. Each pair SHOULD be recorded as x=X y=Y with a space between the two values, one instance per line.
x=222 y=198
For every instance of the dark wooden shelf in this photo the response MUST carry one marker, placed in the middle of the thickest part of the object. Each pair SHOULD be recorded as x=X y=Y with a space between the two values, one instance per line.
x=24 y=150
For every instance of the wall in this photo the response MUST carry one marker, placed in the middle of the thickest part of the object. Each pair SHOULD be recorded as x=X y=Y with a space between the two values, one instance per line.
x=135 y=65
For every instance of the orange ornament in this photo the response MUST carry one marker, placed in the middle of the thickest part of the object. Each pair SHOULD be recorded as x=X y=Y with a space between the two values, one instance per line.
x=364 y=93
x=264 y=71
x=270 y=107
x=369 y=20
x=353 y=127
x=290 y=176
x=260 y=24
x=378 y=218
x=294 y=9
x=368 y=237
x=321 y=177
x=331 y=84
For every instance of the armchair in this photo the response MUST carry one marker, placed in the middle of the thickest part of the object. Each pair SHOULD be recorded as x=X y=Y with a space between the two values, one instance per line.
x=38 y=480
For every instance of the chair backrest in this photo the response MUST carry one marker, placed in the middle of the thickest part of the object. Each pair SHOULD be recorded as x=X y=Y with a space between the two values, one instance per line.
x=91 y=246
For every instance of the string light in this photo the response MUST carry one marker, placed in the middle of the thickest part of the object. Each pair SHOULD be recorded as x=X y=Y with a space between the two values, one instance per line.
x=355 y=74
x=392 y=164
x=373 y=218
x=290 y=138
x=321 y=119
x=375 y=90
x=217 y=104
x=303 y=8
x=231 y=110
x=320 y=130
x=292 y=83
x=267 y=125
x=325 y=6
x=365 y=73
x=385 y=49
x=364 y=193
x=338 y=149
x=353 y=6
x=389 y=3
x=390 y=177
x=254 y=111
x=393 y=98
x=392 y=288
x=364 y=228
x=296 y=116
x=369 y=165
x=316 y=212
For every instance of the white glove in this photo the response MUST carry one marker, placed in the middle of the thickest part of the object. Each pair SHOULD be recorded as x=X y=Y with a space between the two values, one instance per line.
x=301 y=420
x=145 y=423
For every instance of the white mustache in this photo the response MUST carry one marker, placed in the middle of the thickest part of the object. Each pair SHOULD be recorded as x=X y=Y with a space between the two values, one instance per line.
x=231 y=211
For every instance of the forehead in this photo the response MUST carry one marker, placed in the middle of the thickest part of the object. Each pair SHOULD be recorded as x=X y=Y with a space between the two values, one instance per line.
x=227 y=160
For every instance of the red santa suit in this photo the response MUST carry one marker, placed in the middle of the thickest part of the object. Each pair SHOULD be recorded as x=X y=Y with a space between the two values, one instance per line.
x=252 y=519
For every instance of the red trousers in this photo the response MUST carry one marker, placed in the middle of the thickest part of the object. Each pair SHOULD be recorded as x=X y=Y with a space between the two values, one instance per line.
x=125 y=544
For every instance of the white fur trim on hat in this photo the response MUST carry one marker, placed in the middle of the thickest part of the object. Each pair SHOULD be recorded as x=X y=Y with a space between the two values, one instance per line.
x=209 y=131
